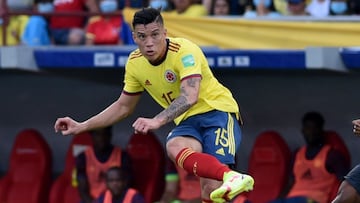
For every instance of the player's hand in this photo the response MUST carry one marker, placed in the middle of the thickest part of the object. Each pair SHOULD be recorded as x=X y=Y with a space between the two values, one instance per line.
x=67 y=126
x=143 y=125
x=356 y=129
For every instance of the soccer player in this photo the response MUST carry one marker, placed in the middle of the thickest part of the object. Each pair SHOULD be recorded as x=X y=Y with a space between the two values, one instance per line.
x=175 y=72
x=349 y=190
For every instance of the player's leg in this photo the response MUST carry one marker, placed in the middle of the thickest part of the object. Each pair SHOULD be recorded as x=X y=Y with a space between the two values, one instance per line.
x=220 y=135
x=349 y=190
x=222 y=141
x=175 y=146
x=346 y=194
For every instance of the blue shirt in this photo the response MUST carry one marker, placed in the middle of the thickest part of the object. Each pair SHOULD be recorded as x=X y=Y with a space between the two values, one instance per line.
x=126 y=34
x=36 y=32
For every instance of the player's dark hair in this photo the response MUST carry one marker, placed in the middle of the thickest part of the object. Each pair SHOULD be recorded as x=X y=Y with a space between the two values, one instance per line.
x=315 y=117
x=146 y=16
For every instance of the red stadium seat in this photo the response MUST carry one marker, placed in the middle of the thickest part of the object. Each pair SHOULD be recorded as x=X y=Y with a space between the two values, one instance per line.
x=148 y=165
x=334 y=139
x=29 y=176
x=269 y=165
x=62 y=189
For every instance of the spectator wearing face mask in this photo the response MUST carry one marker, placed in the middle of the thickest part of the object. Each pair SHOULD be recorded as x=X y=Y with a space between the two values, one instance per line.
x=108 y=30
x=339 y=7
x=261 y=8
x=37 y=30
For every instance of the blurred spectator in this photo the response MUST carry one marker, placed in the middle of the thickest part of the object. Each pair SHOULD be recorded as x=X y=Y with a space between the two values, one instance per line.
x=318 y=8
x=37 y=30
x=297 y=8
x=15 y=25
x=263 y=8
x=220 y=8
x=108 y=30
x=339 y=7
x=92 y=164
x=117 y=188
x=68 y=30
x=317 y=166
x=189 y=8
x=180 y=186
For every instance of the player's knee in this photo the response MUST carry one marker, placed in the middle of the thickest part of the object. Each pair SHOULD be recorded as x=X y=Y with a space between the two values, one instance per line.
x=175 y=145
x=173 y=148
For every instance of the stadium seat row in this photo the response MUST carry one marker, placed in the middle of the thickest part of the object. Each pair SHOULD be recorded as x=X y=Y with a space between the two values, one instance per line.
x=30 y=168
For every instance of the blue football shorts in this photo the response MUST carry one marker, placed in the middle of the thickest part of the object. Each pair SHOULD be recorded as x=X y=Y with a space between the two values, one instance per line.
x=353 y=178
x=218 y=132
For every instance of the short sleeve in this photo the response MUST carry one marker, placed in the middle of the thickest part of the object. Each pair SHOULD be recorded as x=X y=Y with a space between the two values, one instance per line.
x=190 y=61
x=131 y=84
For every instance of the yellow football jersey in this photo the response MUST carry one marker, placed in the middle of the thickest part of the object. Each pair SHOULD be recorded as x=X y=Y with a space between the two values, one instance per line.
x=184 y=59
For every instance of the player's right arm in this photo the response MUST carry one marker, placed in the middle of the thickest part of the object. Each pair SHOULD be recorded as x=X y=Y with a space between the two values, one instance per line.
x=117 y=111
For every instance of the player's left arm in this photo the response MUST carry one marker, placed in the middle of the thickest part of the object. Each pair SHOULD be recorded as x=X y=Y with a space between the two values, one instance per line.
x=189 y=94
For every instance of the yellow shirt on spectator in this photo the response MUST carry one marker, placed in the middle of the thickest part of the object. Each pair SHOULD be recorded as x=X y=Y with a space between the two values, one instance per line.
x=281 y=6
x=14 y=30
x=194 y=10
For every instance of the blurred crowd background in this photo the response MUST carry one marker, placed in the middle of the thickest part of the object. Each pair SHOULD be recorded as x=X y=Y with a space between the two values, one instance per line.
x=101 y=22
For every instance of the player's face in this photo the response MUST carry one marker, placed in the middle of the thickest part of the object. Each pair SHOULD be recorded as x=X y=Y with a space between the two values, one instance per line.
x=151 y=40
x=312 y=133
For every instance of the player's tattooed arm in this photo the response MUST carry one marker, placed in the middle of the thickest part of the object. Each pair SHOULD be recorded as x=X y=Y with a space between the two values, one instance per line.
x=189 y=92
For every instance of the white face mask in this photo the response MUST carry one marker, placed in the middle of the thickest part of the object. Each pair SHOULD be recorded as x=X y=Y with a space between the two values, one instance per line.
x=108 y=6
x=45 y=7
x=163 y=4
x=338 y=7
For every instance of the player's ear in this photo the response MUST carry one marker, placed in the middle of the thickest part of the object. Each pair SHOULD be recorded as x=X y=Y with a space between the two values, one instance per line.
x=133 y=36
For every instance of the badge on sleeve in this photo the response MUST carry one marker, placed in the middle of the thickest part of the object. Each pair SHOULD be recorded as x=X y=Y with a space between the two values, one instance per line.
x=188 y=61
